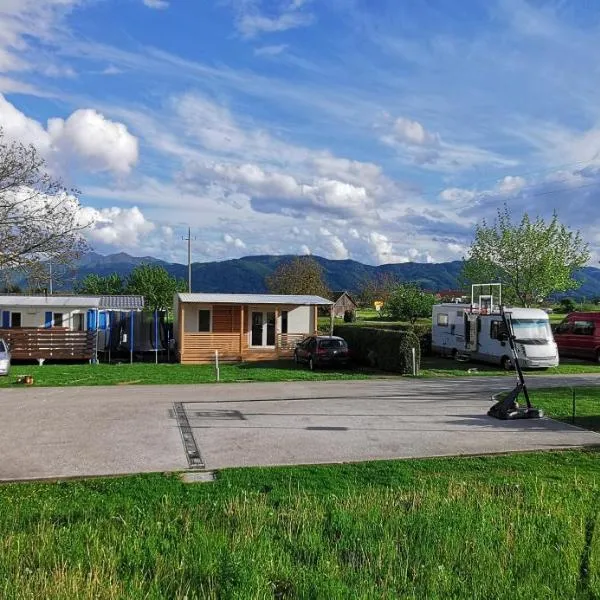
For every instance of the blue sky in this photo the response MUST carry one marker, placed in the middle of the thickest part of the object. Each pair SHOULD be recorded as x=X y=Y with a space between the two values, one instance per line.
x=367 y=129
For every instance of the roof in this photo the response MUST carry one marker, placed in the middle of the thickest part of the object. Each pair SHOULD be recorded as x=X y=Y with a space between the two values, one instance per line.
x=335 y=296
x=254 y=299
x=51 y=301
x=99 y=302
x=122 y=302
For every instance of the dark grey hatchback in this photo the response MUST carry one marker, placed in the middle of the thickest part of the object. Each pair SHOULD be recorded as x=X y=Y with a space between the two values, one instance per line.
x=322 y=350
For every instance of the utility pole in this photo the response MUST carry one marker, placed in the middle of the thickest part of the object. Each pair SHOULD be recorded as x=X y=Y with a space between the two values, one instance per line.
x=50 y=263
x=188 y=239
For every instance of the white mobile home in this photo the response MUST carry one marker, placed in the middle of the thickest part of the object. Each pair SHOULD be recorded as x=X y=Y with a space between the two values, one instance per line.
x=462 y=330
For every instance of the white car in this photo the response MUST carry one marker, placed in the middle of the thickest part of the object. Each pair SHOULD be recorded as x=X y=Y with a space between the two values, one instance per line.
x=4 y=358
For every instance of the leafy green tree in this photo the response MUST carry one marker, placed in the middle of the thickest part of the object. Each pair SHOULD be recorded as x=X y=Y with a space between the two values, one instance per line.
x=408 y=302
x=567 y=305
x=98 y=285
x=155 y=284
x=532 y=259
x=302 y=275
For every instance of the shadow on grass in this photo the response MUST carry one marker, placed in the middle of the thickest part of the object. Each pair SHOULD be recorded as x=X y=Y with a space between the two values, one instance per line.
x=291 y=366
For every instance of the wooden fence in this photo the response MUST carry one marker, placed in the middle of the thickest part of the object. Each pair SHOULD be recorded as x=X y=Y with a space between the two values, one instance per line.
x=57 y=343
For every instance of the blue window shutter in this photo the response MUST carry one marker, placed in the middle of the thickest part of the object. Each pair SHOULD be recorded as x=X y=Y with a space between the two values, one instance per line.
x=91 y=320
x=48 y=319
x=102 y=320
x=5 y=319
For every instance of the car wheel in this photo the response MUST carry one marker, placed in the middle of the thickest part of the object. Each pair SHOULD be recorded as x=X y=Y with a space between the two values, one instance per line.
x=311 y=364
x=506 y=363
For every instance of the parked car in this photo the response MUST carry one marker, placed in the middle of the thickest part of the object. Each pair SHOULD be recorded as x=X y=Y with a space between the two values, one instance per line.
x=578 y=335
x=322 y=350
x=4 y=358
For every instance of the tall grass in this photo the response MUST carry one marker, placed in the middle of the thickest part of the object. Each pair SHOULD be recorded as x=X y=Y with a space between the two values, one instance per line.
x=500 y=527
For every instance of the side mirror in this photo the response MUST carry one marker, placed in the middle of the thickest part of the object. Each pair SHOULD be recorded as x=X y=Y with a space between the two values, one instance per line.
x=503 y=337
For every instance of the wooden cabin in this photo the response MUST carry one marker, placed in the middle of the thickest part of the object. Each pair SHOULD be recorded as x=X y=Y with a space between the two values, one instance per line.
x=242 y=327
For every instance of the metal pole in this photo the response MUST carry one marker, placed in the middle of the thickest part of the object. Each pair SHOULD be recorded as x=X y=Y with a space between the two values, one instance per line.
x=189 y=240
x=50 y=286
x=217 y=364
x=573 y=415
x=414 y=362
x=131 y=339
x=156 y=336
x=96 y=341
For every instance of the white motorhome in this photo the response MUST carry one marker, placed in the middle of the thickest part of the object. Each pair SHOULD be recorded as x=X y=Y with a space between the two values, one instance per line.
x=467 y=331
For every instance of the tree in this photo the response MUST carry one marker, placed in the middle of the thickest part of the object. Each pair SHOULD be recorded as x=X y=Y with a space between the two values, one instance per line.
x=532 y=259
x=98 y=285
x=409 y=302
x=40 y=219
x=302 y=275
x=378 y=287
x=155 y=284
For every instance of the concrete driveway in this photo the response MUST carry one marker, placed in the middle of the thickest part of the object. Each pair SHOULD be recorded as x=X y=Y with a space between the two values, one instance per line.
x=63 y=432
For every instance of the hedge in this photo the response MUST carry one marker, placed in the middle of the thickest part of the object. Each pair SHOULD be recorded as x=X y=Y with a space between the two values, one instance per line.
x=421 y=330
x=382 y=348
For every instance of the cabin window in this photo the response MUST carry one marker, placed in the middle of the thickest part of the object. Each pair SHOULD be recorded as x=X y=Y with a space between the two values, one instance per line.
x=78 y=321
x=442 y=320
x=284 y=321
x=58 y=320
x=15 y=319
x=204 y=320
x=583 y=327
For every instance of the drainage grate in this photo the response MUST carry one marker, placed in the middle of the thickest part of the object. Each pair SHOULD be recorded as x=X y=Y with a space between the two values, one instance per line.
x=218 y=415
x=317 y=428
x=189 y=443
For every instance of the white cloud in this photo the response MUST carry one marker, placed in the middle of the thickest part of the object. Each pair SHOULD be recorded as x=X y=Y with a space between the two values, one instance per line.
x=86 y=138
x=353 y=233
x=304 y=249
x=251 y=21
x=412 y=132
x=511 y=184
x=98 y=143
x=236 y=242
x=270 y=50
x=120 y=227
x=22 y=20
x=158 y=4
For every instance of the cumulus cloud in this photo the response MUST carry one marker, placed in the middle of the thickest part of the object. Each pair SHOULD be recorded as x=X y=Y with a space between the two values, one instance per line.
x=119 y=227
x=511 y=185
x=236 y=242
x=336 y=247
x=86 y=138
x=412 y=132
x=304 y=249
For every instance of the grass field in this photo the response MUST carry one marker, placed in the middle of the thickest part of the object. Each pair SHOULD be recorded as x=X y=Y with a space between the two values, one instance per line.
x=151 y=374
x=434 y=366
x=508 y=527
x=558 y=404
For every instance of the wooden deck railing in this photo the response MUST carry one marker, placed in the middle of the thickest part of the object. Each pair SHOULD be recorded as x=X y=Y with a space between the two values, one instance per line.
x=200 y=347
x=288 y=341
x=58 y=343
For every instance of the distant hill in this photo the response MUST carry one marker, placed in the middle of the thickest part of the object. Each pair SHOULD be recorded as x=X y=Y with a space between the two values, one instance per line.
x=247 y=275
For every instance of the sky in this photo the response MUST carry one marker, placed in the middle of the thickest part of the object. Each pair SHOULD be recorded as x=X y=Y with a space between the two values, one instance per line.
x=375 y=130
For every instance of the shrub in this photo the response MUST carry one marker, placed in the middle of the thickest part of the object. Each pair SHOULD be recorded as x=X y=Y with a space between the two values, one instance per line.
x=567 y=305
x=382 y=348
x=349 y=316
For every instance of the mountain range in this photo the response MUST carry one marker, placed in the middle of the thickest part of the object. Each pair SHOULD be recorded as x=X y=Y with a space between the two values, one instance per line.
x=247 y=274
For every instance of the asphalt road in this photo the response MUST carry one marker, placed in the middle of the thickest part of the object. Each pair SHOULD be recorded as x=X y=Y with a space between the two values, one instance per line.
x=65 y=432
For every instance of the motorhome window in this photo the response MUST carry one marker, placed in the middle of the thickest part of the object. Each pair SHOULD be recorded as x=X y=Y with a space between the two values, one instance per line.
x=532 y=331
x=583 y=328
x=442 y=320
x=496 y=329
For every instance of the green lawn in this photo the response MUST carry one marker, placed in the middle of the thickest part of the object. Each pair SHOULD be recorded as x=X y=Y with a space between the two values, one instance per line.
x=558 y=404
x=150 y=374
x=506 y=527
x=434 y=366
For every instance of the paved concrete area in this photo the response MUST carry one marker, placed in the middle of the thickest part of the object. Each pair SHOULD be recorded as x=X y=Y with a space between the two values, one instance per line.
x=63 y=432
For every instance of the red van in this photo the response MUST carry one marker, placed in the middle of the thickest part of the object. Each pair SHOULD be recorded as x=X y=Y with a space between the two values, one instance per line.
x=578 y=335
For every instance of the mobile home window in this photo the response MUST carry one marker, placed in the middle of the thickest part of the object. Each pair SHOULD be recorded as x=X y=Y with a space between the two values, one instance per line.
x=58 y=320
x=284 y=321
x=442 y=320
x=15 y=319
x=204 y=320
x=78 y=321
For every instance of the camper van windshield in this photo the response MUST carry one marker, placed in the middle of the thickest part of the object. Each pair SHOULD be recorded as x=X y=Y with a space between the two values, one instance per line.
x=532 y=331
